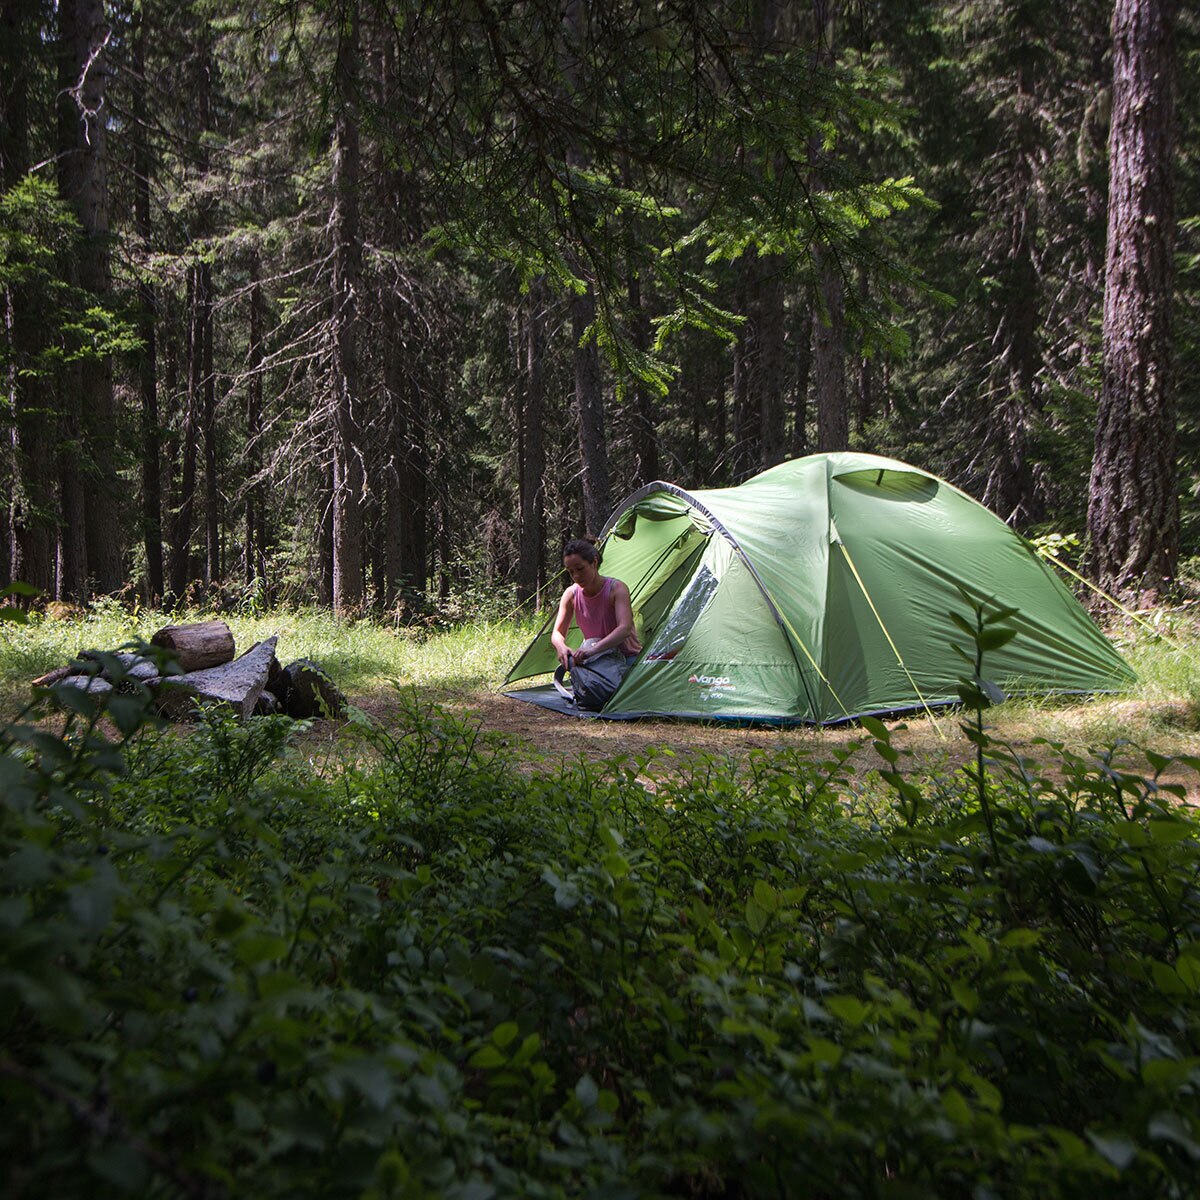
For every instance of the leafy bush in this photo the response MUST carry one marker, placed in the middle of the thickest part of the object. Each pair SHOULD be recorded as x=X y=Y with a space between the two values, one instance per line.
x=433 y=973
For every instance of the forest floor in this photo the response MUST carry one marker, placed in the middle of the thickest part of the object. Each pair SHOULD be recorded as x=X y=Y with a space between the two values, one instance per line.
x=545 y=739
x=383 y=669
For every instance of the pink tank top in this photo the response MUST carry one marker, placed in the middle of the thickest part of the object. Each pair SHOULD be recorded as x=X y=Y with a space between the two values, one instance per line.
x=596 y=615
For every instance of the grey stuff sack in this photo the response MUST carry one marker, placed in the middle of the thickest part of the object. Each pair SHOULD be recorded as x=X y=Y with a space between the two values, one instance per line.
x=593 y=683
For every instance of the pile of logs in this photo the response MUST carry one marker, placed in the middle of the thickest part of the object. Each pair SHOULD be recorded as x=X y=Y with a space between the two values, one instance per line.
x=197 y=666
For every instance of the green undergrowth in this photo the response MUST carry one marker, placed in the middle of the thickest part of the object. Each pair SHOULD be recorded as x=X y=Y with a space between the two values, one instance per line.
x=433 y=973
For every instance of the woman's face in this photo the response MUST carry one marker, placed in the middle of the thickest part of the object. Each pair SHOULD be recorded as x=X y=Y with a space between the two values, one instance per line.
x=580 y=570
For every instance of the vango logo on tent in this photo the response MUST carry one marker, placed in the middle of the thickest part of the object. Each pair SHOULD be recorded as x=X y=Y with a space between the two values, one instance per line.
x=711 y=680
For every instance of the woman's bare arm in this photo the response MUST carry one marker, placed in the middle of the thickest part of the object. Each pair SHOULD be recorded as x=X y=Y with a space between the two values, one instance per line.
x=562 y=623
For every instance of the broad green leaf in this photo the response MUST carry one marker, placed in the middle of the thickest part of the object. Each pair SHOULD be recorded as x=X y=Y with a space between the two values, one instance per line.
x=1000 y=614
x=1174 y=1127
x=824 y=1052
x=957 y=1108
x=964 y=995
x=1168 y=831
x=756 y=917
x=1021 y=938
x=1114 y=1146
x=371 y=1078
x=488 y=1058
x=1188 y=970
x=120 y=1164
x=848 y=1009
x=255 y=948
x=875 y=727
x=1167 y=979
x=970 y=630
x=525 y=1052
x=75 y=700
x=505 y=1033
x=586 y=1091
x=765 y=896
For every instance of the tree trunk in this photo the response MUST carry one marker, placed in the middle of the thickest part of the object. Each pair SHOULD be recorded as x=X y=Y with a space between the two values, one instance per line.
x=33 y=500
x=238 y=684
x=645 y=434
x=324 y=565
x=533 y=450
x=802 y=335
x=1091 y=157
x=255 y=556
x=589 y=404
x=85 y=36
x=829 y=354
x=29 y=528
x=829 y=324
x=71 y=565
x=412 y=451
x=745 y=427
x=1133 y=511
x=589 y=392
x=1010 y=490
x=18 y=23
x=212 y=491
x=768 y=366
x=347 y=255
x=182 y=523
x=864 y=406
x=407 y=351
x=147 y=323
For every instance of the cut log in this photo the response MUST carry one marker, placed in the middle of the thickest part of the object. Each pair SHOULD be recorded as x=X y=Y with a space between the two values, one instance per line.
x=278 y=681
x=92 y=684
x=56 y=676
x=132 y=667
x=197 y=647
x=279 y=684
x=311 y=693
x=238 y=684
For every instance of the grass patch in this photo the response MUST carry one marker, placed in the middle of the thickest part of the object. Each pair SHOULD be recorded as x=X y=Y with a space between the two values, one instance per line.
x=361 y=655
x=464 y=667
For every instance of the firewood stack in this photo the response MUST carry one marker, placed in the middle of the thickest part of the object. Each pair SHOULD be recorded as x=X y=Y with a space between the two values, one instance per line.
x=198 y=667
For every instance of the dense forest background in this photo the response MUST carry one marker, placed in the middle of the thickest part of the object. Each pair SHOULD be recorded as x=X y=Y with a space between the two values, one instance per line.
x=375 y=302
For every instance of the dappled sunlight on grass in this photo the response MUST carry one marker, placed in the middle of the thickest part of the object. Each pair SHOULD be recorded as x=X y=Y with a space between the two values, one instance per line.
x=464 y=666
x=361 y=655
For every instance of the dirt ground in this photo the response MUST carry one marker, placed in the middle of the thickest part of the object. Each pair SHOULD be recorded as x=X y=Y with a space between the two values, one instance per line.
x=547 y=738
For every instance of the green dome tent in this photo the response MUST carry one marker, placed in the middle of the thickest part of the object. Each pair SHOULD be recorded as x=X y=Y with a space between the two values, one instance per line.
x=821 y=590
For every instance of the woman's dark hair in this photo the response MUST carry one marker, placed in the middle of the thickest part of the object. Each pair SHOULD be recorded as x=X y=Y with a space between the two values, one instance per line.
x=585 y=547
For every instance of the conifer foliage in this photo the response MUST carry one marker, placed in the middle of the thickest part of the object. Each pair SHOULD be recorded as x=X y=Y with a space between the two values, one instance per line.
x=371 y=303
